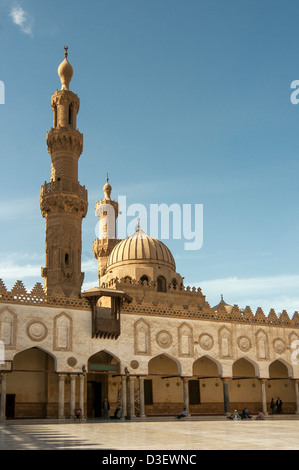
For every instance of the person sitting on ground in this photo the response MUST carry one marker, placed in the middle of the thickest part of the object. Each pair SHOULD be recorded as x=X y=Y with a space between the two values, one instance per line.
x=117 y=413
x=260 y=415
x=245 y=414
x=235 y=415
x=183 y=414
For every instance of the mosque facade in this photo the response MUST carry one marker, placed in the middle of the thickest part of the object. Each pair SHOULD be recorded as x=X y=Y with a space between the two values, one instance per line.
x=140 y=338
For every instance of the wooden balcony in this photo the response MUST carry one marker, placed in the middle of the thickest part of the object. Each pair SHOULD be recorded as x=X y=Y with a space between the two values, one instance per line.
x=106 y=321
x=107 y=328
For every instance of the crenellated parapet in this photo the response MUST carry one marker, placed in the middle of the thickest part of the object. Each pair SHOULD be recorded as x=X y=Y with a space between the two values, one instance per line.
x=37 y=296
x=190 y=303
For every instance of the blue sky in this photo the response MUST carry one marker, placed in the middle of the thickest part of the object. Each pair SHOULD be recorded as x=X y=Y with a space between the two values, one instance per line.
x=182 y=102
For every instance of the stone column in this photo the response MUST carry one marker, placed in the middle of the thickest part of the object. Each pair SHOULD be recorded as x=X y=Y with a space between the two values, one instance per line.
x=81 y=393
x=264 y=400
x=186 y=395
x=225 y=396
x=61 y=379
x=73 y=396
x=141 y=397
x=296 y=382
x=124 y=396
x=132 y=398
x=3 y=397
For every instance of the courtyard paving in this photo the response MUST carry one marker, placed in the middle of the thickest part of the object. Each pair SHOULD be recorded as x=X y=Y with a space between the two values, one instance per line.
x=279 y=433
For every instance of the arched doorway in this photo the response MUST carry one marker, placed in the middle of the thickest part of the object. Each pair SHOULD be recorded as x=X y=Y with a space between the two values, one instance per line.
x=245 y=389
x=163 y=388
x=205 y=388
x=103 y=381
x=280 y=385
x=32 y=386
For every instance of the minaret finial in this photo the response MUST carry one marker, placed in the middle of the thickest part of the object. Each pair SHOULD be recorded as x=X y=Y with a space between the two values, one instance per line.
x=65 y=71
x=107 y=188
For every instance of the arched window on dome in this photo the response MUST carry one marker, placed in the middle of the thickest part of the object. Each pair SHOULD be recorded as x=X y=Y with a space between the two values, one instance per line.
x=161 y=284
x=128 y=279
x=174 y=283
x=144 y=279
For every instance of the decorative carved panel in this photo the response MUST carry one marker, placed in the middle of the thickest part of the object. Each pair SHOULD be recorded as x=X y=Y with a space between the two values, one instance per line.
x=262 y=345
x=142 y=338
x=185 y=334
x=8 y=328
x=225 y=342
x=63 y=326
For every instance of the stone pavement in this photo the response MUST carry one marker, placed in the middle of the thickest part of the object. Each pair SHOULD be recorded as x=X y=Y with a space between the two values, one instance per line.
x=202 y=433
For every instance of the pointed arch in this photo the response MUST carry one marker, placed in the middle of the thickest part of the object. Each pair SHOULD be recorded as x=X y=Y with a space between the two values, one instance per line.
x=40 y=348
x=280 y=369
x=163 y=368
x=207 y=366
x=245 y=367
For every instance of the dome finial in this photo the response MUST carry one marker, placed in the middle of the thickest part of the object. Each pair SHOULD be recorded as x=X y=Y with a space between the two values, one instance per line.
x=65 y=51
x=138 y=222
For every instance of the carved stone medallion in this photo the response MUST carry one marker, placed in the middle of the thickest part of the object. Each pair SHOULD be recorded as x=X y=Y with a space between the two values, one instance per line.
x=279 y=346
x=134 y=364
x=206 y=341
x=244 y=343
x=72 y=361
x=37 y=330
x=164 y=339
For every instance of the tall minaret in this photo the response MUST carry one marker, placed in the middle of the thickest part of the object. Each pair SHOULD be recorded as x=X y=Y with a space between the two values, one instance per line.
x=63 y=201
x=107 y=212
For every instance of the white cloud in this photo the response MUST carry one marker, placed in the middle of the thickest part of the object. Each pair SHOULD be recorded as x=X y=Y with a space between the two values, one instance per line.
x=278 y=292
x=22 y=19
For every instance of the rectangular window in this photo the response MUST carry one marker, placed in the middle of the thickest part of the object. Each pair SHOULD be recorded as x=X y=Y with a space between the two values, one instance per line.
x=148 y=392
x=194 y=392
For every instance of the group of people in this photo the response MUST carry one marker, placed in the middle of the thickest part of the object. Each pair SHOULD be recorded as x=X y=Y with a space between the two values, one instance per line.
x=276 y=407
x=245 y=415
x=106 y=409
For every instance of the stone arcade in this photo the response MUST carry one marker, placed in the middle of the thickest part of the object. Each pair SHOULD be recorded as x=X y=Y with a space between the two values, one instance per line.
x=140 y=338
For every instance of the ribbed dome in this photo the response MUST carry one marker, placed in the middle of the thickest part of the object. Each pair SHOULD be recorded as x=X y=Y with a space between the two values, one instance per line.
x=141 y=247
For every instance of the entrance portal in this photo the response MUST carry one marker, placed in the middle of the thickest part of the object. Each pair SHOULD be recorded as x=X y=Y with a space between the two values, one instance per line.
x=103 y=381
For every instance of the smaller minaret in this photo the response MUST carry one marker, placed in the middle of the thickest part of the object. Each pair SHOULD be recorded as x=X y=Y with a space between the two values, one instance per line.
x=107 y=212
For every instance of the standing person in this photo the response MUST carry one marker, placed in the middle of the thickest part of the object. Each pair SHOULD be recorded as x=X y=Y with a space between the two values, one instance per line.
x=272 y=406
x=106 y=408
x=279 y=405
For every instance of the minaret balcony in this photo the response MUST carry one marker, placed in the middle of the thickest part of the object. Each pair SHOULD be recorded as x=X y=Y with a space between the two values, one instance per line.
x=64 y=186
